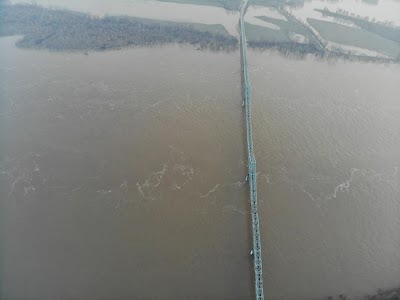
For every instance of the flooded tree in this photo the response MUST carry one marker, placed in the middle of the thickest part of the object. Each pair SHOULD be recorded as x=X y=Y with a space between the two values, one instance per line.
x=66 y=30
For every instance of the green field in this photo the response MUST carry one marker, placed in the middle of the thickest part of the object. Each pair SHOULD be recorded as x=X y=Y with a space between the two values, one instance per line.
x=345 y=35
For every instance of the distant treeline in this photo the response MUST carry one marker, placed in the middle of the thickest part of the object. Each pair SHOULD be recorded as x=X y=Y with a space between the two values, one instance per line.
x=392 y=294
x=384 y=29
x=67 y=30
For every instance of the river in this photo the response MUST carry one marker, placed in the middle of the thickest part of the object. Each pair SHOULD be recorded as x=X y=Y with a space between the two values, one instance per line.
x=122 y=175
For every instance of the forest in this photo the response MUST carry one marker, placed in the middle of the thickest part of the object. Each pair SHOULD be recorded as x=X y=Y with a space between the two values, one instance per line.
x=62 y=30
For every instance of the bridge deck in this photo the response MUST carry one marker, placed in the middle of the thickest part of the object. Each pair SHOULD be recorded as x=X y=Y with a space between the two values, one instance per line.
x=252 y=177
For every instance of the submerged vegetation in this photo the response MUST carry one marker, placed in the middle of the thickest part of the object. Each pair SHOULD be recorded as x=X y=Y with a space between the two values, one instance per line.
x=66 y=30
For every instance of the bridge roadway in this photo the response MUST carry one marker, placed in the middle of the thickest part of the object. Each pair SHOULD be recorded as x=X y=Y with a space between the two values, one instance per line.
x=251 y=159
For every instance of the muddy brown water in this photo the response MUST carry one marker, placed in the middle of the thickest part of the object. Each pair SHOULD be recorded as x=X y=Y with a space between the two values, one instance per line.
x=122 y=175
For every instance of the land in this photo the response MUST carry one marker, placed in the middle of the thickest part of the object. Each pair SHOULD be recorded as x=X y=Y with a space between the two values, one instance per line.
x=279 y=3
x=285 y=34
x=62 y=30
x=283 y=40
x=383 y=29
x=291 y=37
x=234 y=4
x=357 y=37
x=260 y=33
x=295 y=36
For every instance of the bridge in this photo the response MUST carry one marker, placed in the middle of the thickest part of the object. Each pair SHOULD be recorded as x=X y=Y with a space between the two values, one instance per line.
x=251 y=159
